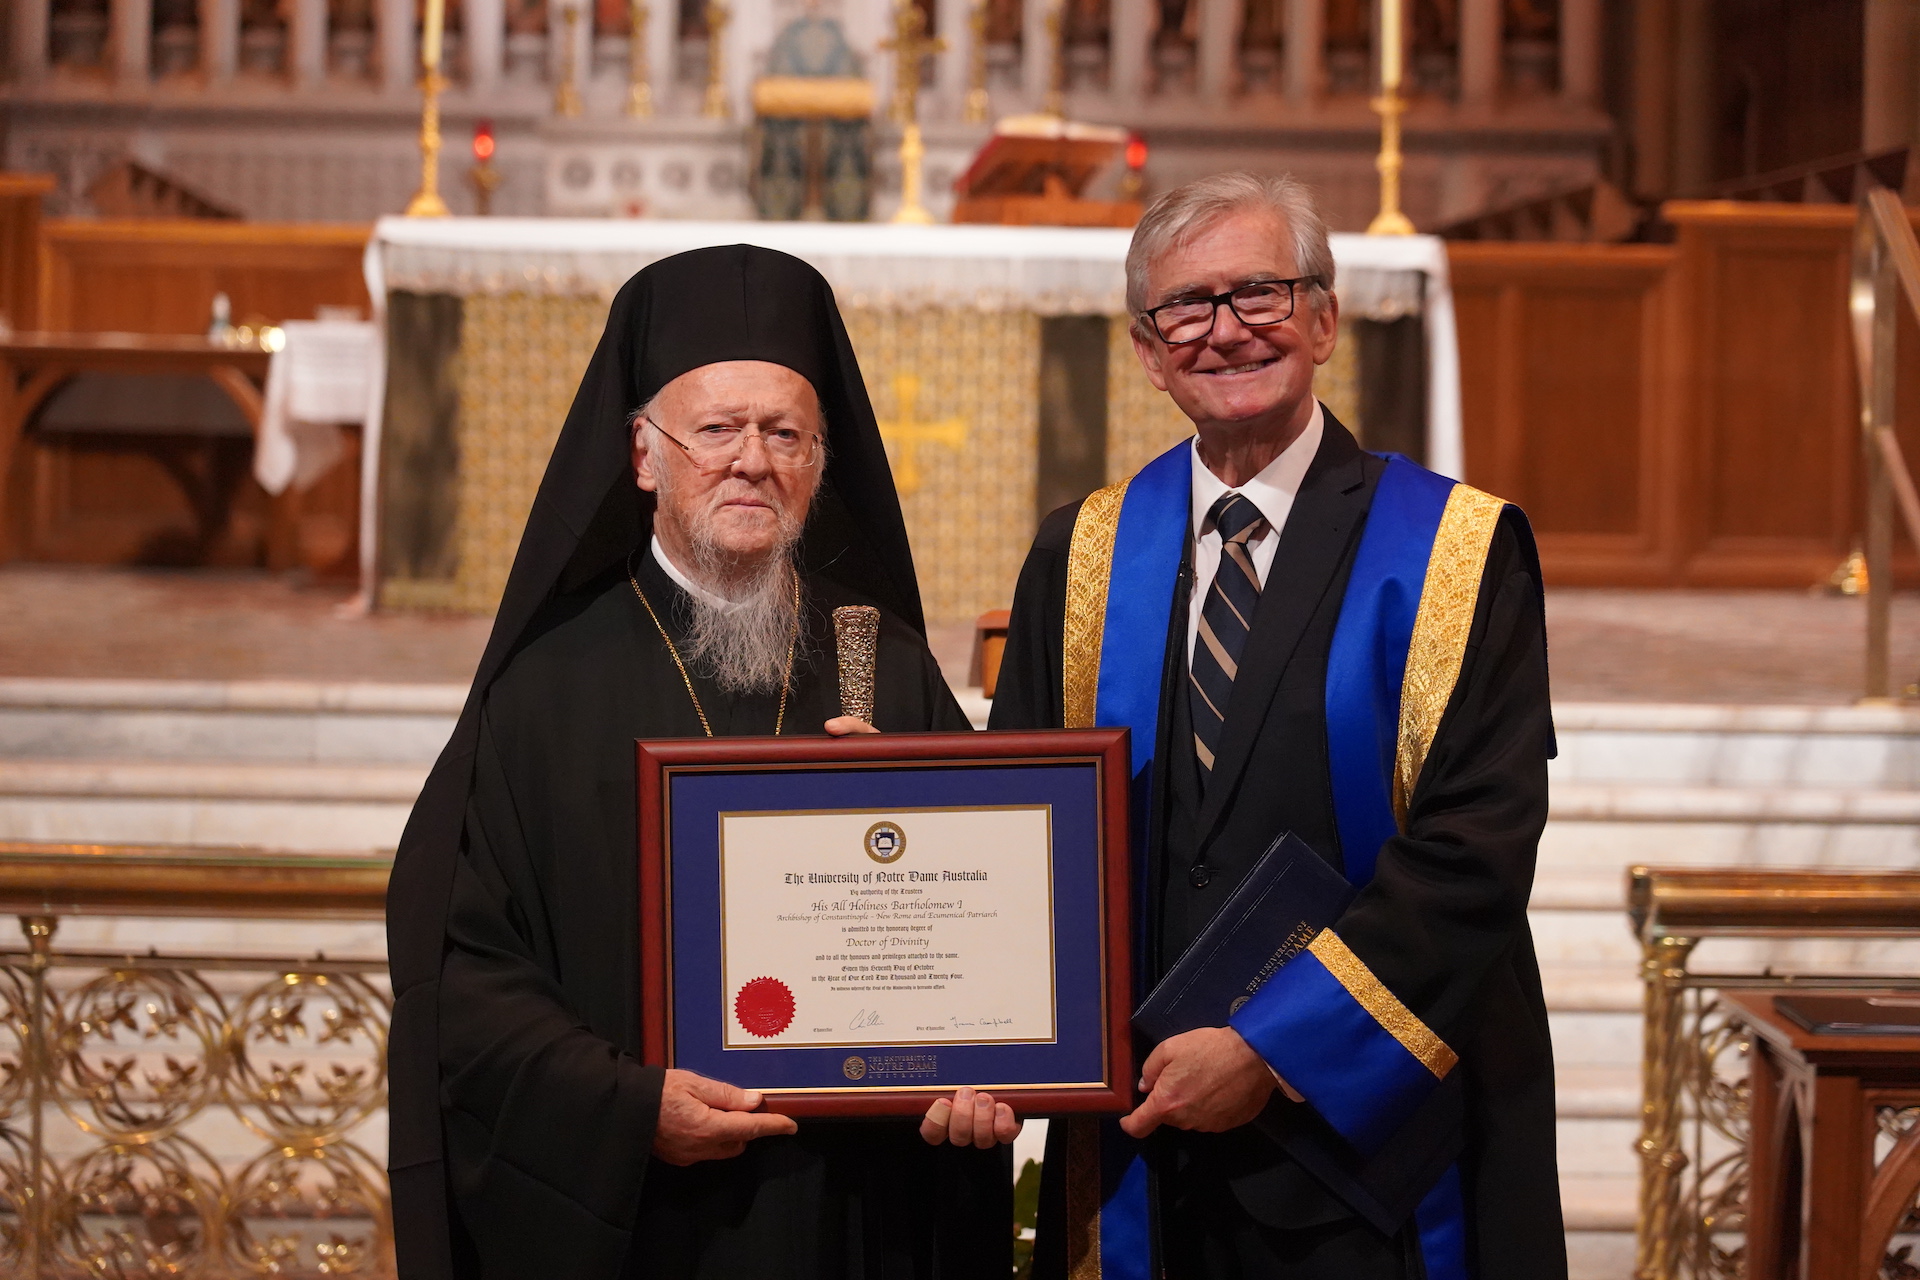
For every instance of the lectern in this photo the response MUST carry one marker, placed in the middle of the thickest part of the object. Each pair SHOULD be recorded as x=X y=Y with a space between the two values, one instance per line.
x=1034 y=170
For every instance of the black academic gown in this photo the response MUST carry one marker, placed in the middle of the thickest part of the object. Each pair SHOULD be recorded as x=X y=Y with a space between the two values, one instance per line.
x=1442 y=924
x=549 y=1115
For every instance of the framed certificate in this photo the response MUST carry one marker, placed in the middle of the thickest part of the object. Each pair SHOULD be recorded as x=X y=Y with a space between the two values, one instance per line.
x=851 y=925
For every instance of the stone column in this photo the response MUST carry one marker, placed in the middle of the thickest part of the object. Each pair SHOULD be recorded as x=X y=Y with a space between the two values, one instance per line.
x=952 y=22
x=1580 y=52
x=307 y=43
x=1036 y=71
x=751 y=34
x=219 y=39
x=1306 y=51
x=130 y=24
x=1887 y=98
x=483 y=34
x=867 y=25
x=1130 y=24
x=1480 y=52
x=1218 y=48
x=27 y=41
x=399 y=47
x=663 y=44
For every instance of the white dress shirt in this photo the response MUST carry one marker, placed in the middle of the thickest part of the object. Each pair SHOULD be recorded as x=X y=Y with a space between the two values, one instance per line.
x=699 y=592
x=1271 y=491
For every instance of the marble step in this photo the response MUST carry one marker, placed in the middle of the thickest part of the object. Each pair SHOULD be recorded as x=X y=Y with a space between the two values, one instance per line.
x=1704 y=745
x=301 y=807
x=1594 y=831
x=251 y=720
x=1687 y=744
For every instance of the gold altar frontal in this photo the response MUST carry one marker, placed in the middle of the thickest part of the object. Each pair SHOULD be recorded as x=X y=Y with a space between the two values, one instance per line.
x=484 y=357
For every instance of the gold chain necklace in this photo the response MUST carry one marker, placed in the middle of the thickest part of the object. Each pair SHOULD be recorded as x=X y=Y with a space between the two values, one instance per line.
x=673 y=652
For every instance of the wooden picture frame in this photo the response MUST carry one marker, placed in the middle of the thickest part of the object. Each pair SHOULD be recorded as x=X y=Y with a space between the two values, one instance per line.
x=688 y=791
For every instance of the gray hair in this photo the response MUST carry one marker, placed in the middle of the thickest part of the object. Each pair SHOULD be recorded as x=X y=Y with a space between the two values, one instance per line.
x=1183 y=213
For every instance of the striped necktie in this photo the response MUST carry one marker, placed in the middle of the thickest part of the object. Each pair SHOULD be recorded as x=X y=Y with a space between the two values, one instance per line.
x=1225 y=618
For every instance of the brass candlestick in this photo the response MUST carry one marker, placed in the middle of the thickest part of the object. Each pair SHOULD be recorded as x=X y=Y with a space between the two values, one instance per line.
x=485 y=180
x=639 y=87
x=566 y=98
x=426 y=202
x=910 y=44
x=977 y=109
x=716 y=106
x=1391 y=106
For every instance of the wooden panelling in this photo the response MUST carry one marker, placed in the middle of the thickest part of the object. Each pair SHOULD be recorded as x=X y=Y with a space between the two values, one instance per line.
x=159 y=276
x=1566 y=365
x=20 y=198
x=109 y=499
x=1772 y=408
x=1683 y=416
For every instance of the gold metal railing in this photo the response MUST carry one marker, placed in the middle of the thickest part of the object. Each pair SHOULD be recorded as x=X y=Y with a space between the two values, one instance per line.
x=1886 y=271
x=175 y=1115
x=1693 y=1125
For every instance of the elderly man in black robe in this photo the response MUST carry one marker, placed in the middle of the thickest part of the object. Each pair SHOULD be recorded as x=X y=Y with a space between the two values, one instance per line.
x=677 y=579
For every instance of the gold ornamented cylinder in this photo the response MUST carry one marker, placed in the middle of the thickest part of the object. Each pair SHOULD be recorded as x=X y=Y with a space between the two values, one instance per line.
x=856 y=634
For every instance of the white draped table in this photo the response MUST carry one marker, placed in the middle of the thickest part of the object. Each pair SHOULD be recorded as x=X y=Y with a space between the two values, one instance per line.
x=489 y=323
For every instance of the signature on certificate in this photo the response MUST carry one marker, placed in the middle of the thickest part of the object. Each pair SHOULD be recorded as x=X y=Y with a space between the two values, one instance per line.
x=865 y=1019
x=983 y=1022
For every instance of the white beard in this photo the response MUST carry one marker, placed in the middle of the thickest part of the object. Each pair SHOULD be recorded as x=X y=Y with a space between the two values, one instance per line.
x=746 y=645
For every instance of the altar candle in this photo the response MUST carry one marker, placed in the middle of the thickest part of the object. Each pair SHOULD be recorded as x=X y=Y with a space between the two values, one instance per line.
x=430 y=41
x=1390 y=42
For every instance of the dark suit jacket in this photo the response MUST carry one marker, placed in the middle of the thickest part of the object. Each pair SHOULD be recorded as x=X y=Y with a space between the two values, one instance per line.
x=1443 y=922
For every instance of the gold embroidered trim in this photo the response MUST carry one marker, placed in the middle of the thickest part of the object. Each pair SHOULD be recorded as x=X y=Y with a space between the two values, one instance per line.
x=1440 y=630
x=1089 y=566
x=1382 y=1005
x=1083 y=1197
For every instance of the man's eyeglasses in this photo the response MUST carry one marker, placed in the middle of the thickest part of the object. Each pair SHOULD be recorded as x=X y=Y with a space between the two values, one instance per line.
x=1257 y=305
x=716 y=445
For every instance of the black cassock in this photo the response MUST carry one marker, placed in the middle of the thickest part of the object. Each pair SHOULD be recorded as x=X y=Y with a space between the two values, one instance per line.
x=1443 y=922
x=520 y=1117
x=549 y=1113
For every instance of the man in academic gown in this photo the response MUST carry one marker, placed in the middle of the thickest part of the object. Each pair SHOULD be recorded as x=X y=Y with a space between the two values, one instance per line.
x=718 y=490
x=1304 y=637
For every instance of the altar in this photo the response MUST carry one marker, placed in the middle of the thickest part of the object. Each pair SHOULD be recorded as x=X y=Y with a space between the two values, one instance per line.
x=997 y=359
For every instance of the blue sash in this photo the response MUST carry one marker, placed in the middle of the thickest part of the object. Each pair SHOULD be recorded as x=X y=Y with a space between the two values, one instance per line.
x=1123 y=568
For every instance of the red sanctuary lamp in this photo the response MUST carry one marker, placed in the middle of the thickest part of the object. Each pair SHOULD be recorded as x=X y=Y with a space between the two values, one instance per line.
x=1136 y=161
x=483 y=176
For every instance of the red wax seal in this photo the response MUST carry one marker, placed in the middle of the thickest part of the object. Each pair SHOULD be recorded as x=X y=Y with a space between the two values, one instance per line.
x=764 y=1007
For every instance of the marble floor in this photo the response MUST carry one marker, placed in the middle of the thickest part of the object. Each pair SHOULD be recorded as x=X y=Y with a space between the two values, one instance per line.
x=1607 y=645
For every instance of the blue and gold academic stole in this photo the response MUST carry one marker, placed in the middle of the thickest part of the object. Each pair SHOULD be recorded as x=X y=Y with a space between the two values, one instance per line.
x=1396 y=655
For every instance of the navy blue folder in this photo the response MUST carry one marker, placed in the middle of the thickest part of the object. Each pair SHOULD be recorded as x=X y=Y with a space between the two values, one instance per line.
x=1283 y=903
x=1291 y=894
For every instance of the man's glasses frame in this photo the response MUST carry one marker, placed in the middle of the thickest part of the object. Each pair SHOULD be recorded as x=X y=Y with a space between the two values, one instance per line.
x=1152 y=314
x=740 y=437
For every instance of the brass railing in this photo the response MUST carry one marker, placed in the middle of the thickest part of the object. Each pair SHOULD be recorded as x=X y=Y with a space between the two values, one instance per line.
x=1886 y=271
x=1693 y=1124
x=175 y=1115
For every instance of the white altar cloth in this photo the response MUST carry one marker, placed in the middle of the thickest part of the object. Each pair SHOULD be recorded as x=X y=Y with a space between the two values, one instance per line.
x=1047 y=270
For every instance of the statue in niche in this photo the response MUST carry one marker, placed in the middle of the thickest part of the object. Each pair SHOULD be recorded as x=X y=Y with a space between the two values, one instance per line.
x=350 y=37
x=78 y=32
x=813 y=166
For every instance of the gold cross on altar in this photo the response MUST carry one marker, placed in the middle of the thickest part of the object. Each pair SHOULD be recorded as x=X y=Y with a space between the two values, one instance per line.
x=907 y=432
x=910 y=43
